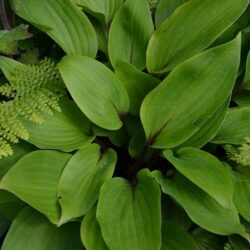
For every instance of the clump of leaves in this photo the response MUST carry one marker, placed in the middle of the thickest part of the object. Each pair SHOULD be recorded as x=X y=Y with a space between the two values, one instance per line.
x=135 y=158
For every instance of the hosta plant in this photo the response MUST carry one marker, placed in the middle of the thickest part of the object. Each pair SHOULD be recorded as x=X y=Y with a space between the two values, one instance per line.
x=125 y=125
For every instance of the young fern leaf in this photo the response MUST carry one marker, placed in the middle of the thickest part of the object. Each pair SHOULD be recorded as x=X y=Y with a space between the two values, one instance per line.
x=239 y=154
x=34 y=90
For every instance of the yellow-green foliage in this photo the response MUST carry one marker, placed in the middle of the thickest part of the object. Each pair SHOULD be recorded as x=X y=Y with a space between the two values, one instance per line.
x=34 y=90
x=239 y=154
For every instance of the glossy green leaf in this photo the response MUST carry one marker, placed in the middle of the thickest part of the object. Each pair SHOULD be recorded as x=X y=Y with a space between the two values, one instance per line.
x=9 y=39
x=175 y=237
x=170 y=114
x=242 y=190
x=239 y=243
x=137 y=84
x=62 y=21
x=66 y=130
x=208 y=241
x=34 y=179
x=130 y=32
x=19 y=150
x=102 y=9
x=130 y=214
x=10 y=205
x=32 y=231
x=96 y=90
x=205 y=171
x=91 y=234
x=209 y=130
x=235 y=127
x=201 y=208
x=204 y=20
x=165 y=9
x=82 y=178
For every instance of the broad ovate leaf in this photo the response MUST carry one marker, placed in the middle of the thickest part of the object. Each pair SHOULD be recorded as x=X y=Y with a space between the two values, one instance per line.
x=165 y=9
x=204 y=20
x=82 y=178
x=130 y=32
x=178 y=107
x=205 y=171
x=201 y=207
x=65 y=130
x=91 y=234
x=32 y=231
x=235 y=127
x=208 y=131
x=175 y=237
x=96 y=90
x=130 y=213
x=62 y=21
x=101 y=9
x=34 y=179
x=137 y=84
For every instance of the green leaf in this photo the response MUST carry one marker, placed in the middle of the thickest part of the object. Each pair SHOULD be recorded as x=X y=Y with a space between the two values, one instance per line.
x=96 y=90
x=34 y=179
x=204 y=20
x=10 y=205
x=64 y=22
x=102 y=9
x=130 y=32
x=8 y=66
x=208 y=241
x=173 y=212
x=91 y=234
x=137 y=84
x=130 y=214
x=170 y=114
x=205 y=171
x=208 y=131
x=239 y=243
x=82 y=178
x=19 y=150
x=9 y=39
x=243 y=98
x=66 y=130
x=242 y=190
x=175 y=237
x=4 y=224
x=32 y=231
x=235 y=127
x=246 y=80
x=201 y=208
x=165 y=9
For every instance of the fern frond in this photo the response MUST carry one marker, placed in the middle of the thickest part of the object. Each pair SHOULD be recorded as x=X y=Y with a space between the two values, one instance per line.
x=34 y=90
x=239 y=154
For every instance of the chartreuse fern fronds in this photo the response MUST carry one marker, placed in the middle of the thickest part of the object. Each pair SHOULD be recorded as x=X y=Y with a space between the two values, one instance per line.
x=33 y=90
x=239 y=154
